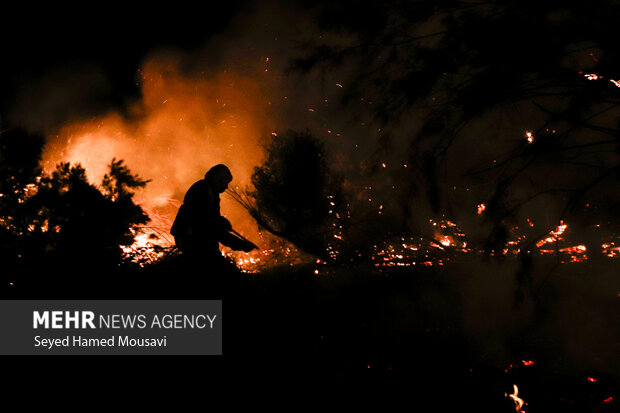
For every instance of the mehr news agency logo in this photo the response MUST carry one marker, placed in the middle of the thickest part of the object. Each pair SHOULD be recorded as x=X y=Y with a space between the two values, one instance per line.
x=88 y=320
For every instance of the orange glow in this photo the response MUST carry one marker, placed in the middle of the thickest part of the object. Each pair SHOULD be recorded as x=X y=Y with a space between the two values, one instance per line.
x=529 y=136
x=445 y=240
x=182 y=126
x=577 y=253
x=610 y=249
x=554 y=235
x=560 y=229
x=577 y=249
x=517 y=400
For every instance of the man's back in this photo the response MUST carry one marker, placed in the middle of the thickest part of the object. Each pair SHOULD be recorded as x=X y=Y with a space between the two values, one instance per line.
x=196 y=226
x=199 y=227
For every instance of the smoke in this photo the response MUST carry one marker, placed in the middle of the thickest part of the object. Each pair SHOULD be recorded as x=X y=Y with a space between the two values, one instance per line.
x=182 y=126
x=221 y=104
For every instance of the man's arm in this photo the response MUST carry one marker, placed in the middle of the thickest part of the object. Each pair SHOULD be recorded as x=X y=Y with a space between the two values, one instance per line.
x=238 y=244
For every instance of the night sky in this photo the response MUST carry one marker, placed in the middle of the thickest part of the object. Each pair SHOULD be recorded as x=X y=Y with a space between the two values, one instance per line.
x=113 y=37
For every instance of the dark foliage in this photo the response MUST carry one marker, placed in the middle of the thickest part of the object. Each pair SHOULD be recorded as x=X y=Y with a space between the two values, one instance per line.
x=20 y=154
x=455 y=63
x=83 y=224
x=296 y=195
x=59 y=222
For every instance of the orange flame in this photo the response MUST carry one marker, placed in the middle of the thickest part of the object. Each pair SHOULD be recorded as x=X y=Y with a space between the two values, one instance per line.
x=182 y=126
x=554 y=235
x=515 y=397
x=445 y=240
x=529 y=136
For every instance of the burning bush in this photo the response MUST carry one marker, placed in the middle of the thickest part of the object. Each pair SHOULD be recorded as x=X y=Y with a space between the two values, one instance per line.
x=297 y=196
x=60 y=220
x=82 y=222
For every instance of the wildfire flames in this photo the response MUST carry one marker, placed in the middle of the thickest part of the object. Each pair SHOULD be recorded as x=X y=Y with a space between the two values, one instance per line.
x=182 y=126
x=576 y=253
x=185 y=124
x=449 y=241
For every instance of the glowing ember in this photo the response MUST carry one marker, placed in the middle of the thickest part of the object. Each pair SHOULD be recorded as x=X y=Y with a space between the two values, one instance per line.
x=560 y=229
x=610 y=249
x=529 y=136
x=517 y=400
x=147 y=248
x=577 y=253
x=182 y=126
x=481 y=208
x=554 y=236
x=446 y=241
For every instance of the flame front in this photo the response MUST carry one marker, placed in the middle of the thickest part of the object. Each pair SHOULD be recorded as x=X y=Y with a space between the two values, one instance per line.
x=182 y=126
x=185 y=124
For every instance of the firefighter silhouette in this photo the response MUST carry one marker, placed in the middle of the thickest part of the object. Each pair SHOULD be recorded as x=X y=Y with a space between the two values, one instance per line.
x=199 y=228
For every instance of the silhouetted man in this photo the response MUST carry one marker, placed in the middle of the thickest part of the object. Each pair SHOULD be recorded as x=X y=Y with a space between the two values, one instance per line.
x=199 y=227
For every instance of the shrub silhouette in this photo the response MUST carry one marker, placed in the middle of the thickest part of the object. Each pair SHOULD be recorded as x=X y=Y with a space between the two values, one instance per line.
x=296 y=195
x=59 y=221
x=82 y=223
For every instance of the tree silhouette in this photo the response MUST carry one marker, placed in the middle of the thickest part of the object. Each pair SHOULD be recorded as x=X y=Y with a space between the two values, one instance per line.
x=296 y=196
x=82 y=223
x=59 y=222
x=20 y=154
x=459 y=66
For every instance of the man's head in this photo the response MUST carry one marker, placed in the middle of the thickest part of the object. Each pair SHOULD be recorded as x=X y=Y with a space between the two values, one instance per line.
x=219 y=177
